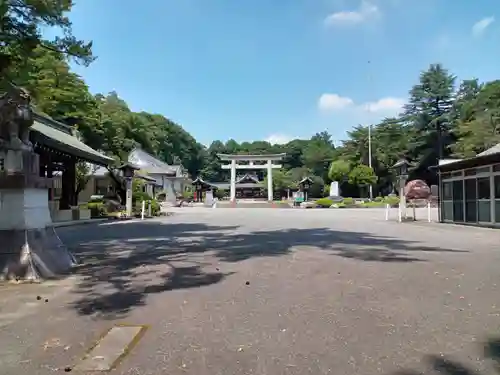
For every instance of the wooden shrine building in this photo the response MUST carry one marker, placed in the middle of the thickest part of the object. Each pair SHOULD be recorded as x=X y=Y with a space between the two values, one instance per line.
x=60 y=150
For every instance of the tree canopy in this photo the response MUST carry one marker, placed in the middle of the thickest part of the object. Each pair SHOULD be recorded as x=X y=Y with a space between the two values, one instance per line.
x=21 y=25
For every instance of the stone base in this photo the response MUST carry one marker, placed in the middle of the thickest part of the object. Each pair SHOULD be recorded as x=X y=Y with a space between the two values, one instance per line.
x=336 y=198
x=33 y=254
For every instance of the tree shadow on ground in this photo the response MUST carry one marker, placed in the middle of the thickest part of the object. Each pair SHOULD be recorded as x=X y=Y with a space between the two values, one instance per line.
x=122 y=263
x=446 y=366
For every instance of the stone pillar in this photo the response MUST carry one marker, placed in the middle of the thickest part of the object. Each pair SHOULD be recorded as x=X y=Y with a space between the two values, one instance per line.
x=233 y=180
x=128 y=199
x=270 y=180
x=402 y=197
x=30 y=248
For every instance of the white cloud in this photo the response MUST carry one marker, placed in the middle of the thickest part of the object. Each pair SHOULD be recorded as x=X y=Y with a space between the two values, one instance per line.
x=388 y=104
x=333 y=102
x=366 y=11
x=480 y=26
x=279 y=139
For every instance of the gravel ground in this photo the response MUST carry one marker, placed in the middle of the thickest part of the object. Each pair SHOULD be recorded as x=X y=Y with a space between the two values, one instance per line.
x=270 y=291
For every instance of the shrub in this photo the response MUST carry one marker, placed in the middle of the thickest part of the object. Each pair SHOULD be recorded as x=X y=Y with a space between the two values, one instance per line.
x=324 y=202
x=187 y=195
x=391 y=200
x=155 y=207
x=97 y=209
x=379 y=199
x=348 y=201
x=220 y=193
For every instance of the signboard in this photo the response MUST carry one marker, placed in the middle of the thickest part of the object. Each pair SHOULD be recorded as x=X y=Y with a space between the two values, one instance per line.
x=298 y=196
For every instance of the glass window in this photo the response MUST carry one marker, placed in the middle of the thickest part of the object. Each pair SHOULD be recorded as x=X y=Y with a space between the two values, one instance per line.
x=458 y=190
x=458 y=210
x=447 y=191
x=458 y=200
x=456 y=174
x=483 y=169
x=470 y=172
x=470 y=211
x=470 y=189
x=470 y=200
x=496 y=187
x=484 y=211
x=497 y=211
x=447 y=210
x=496 y=168
x=483 y=188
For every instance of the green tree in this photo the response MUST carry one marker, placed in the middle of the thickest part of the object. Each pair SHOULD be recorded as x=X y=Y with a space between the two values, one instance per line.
x=282 y=180
x=362 y=175
x=478 y=125
x=339 y=170
x=21 y=25
x=56 y=91
x=428 y=112
x=318 y=153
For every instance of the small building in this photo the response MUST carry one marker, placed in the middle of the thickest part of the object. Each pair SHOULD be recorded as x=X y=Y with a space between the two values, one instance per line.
x=172 y=179
x=100 y=183
x=60 y=149
x=160 y=177
x=247 y=185
x=470 y=189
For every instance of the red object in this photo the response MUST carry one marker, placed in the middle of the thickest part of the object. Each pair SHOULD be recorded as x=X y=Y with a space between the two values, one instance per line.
x=417 y=189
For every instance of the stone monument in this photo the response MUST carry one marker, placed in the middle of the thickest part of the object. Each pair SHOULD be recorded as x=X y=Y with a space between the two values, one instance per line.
x=29 y=246
x=335 y=192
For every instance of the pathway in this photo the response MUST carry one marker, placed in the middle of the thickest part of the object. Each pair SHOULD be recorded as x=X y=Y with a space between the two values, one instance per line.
x=269 y=291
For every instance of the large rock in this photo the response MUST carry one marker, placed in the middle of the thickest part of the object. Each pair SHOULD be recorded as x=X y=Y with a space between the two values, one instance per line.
x=417 y=189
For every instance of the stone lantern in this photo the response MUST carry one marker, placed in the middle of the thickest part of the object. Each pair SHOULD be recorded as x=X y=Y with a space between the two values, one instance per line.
x=401 y=169
x=128 y=171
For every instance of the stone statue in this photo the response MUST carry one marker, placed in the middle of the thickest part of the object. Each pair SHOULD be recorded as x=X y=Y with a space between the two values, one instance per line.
x=16 y=118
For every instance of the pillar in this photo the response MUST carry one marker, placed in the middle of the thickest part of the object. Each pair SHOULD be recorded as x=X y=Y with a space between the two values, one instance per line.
x=128 y=196
x=270 y=180
x=233 y=180
x=50 y=174
x=68 y=185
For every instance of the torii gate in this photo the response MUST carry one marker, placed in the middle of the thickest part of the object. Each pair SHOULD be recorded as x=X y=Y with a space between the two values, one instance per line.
x=234 y=159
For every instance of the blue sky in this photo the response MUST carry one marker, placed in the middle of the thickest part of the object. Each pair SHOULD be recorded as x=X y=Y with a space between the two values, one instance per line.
x=280 y=69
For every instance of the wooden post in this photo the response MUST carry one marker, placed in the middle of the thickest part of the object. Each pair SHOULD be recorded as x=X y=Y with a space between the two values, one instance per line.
x=68 y=185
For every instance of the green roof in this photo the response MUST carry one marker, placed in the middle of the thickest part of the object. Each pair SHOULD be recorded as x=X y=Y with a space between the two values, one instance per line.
x=59 y=140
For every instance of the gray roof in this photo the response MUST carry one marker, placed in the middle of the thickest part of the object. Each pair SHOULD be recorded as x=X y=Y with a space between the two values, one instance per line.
x=247 y=176
x=492 y=150
x=244 y=185
x=150 y=164
x=46 y=133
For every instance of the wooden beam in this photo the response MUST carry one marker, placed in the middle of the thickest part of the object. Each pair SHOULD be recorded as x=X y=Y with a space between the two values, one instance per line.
x=240 y=166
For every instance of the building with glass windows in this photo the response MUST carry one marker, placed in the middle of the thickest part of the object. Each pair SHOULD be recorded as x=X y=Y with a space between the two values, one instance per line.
x=470 y=189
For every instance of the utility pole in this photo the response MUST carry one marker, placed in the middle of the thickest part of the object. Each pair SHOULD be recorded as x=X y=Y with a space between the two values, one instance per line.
x=370 y=155
x=370 y=130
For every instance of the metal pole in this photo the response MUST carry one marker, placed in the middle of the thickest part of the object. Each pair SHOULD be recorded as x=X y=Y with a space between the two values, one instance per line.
x=370 y=129
x=370 y=156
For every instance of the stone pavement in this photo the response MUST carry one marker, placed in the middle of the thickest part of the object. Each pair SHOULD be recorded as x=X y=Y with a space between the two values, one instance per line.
x=265 y=291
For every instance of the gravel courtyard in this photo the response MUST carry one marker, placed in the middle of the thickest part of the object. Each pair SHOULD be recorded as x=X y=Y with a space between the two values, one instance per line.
x=272 y=291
